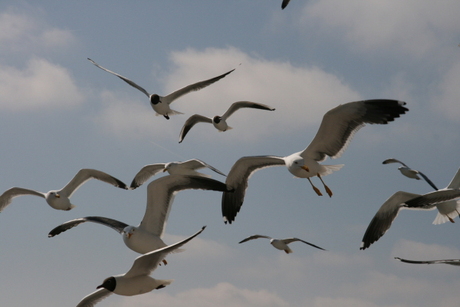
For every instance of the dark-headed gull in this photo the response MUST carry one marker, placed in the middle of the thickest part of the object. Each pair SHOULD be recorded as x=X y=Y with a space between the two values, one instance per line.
x=335 y=133
x=281 y=244
x=160 y=104
x=446 y=261
x=60 y=199
x=137 y=280
x=160 y=195
x=385 y=216
x=220 y=122
x=409 y=172
x=188 y=167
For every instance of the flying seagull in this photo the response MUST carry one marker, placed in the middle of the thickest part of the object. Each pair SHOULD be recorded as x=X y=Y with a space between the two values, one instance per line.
x=60 y=199
x=160 y=104
x=404 y=200
x=446 y=261
x=136 y=280
x=146 y=237
x=409 y=172
x=188 y=167
x=284 y=4
x=335 y=133
x=281 y=244
x=220 y=122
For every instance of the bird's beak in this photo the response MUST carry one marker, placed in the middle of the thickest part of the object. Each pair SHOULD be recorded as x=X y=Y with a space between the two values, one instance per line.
x=99 y=287
x=305 y=168
x=58 y=196
x=164 y=170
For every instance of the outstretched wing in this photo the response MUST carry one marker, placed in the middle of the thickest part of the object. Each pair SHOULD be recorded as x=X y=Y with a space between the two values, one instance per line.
x=245 y=104
x=114 y=224
x=145 y=173
x=253 y=237
x=290 y=240
x=8 y=195
x=86 y=174
x=122 y=78
x=341 y=123
x=92 y=299
x=194 y=87
x=446 y=261
x=192 y=121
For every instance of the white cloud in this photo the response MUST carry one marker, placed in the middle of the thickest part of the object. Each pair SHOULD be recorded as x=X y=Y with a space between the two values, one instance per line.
x=20 y=32
x=409 y=26
x=223 y=295
x=40 y=85
x=300 y=95
x=448 y=101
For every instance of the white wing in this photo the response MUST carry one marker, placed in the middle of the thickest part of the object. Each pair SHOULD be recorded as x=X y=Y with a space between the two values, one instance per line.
x=245 y=104
x=253 y=237
x=122 y=78
x=145 y=173
x=145 y=264
x=384 y=217
x=192 y=121
x=341 y=123
x=455 y=182
x=8 y=195
x=114 y=224
x=92 y=299
x=194 y=87
x=84 y=175
x=237 y=181
x=160 y=195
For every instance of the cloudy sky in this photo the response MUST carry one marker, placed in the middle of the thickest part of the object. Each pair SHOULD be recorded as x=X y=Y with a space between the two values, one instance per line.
x=59 y=113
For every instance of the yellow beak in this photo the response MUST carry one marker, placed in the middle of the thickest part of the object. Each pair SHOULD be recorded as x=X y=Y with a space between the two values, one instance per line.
x=305 y=168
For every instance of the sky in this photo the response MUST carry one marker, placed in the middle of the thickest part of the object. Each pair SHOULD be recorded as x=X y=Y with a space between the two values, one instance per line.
x=59 y=113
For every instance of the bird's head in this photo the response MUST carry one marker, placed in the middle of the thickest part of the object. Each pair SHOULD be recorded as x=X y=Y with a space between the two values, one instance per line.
x=128 y=231
x=216 y=119
x=110 y=283
x=154 y=99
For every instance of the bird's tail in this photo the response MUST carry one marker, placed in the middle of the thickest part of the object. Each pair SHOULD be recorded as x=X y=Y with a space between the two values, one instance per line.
x=163 y=283
x=328 y=169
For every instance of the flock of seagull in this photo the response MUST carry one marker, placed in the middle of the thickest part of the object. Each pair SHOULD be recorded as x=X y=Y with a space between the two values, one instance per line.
x=334 y=134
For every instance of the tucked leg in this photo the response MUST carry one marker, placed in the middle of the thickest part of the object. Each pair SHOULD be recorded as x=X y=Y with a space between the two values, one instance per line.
x=329 y=192
x=315 y=188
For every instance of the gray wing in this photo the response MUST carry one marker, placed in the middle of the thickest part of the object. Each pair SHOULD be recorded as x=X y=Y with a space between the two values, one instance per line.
x=253 y=237
x=455 y=182
x=114 y=224
x=237 y=181
x=446 y=261
x=92 y=299
x=145 y=264
x=428 y=180
x=245 y=104
x=431 y=199
x=284 y=4
x=393 y=160
x=341 y=123
x=8 y=195
x=197 y=164
x=290 y=240
x=122 y=78
x=385 y=217
x=194 y=87
x=160 y=195
x=86 y=174
x=145 y=173
x=190 y=122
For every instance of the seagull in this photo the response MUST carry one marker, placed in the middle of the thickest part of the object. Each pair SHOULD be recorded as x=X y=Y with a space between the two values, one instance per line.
x=404 y=200
x=146 y=237
x=410 y=173
x=180 y=168
x=160 y=104
x=281 y=244
x=220 y=122
x=335 y=133
x=60 y=199
x=284 y=4
x=446 y=261
x=136 y=280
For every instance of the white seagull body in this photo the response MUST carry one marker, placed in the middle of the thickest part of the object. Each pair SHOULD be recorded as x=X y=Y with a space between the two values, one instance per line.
x=220 y=122
x=60 y=199
x=410 y=173
x=446 y=261
x=136 y=280
x=188 y=168
x=334 y=134
x=442 y=199
x=281 y=244
x=160 y=104
x=160 y=195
